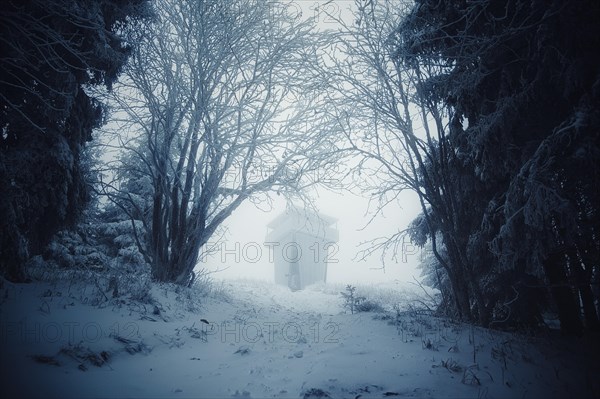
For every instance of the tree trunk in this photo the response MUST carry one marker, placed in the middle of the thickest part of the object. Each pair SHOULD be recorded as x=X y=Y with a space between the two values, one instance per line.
x=461 y=284
x=564 y=297
x=585 y=290
x=461 y=296
x=589 y=309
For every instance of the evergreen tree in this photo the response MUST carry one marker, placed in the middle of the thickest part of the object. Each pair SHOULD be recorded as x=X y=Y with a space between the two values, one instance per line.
x=522 y=90
x=51 y=52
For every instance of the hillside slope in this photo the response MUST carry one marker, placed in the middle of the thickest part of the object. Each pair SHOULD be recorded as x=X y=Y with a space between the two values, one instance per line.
x=261 y=340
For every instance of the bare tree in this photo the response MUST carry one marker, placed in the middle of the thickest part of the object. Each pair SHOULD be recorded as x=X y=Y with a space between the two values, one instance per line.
x=399 y=138
x=221 y=97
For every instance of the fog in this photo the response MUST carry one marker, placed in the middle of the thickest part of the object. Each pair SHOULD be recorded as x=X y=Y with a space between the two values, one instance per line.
x=242 y=253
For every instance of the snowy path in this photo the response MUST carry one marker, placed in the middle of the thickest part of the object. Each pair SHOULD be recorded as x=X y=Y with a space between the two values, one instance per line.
x=265 y=342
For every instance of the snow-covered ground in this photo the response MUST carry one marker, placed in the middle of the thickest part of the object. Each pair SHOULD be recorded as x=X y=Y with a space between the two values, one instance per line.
x=255 y=339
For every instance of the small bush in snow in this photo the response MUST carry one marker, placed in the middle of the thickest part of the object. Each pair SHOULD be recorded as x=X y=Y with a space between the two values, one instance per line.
x=351 y=300
x=204 y=285
x=368 y=305
x=359 y=303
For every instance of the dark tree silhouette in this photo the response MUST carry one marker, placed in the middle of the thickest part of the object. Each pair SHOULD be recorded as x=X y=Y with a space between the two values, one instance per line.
x=520 y=82
x=51 y=51
x=488 y=111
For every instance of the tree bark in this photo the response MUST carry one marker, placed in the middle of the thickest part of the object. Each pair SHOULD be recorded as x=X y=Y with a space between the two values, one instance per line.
x=585 y=290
